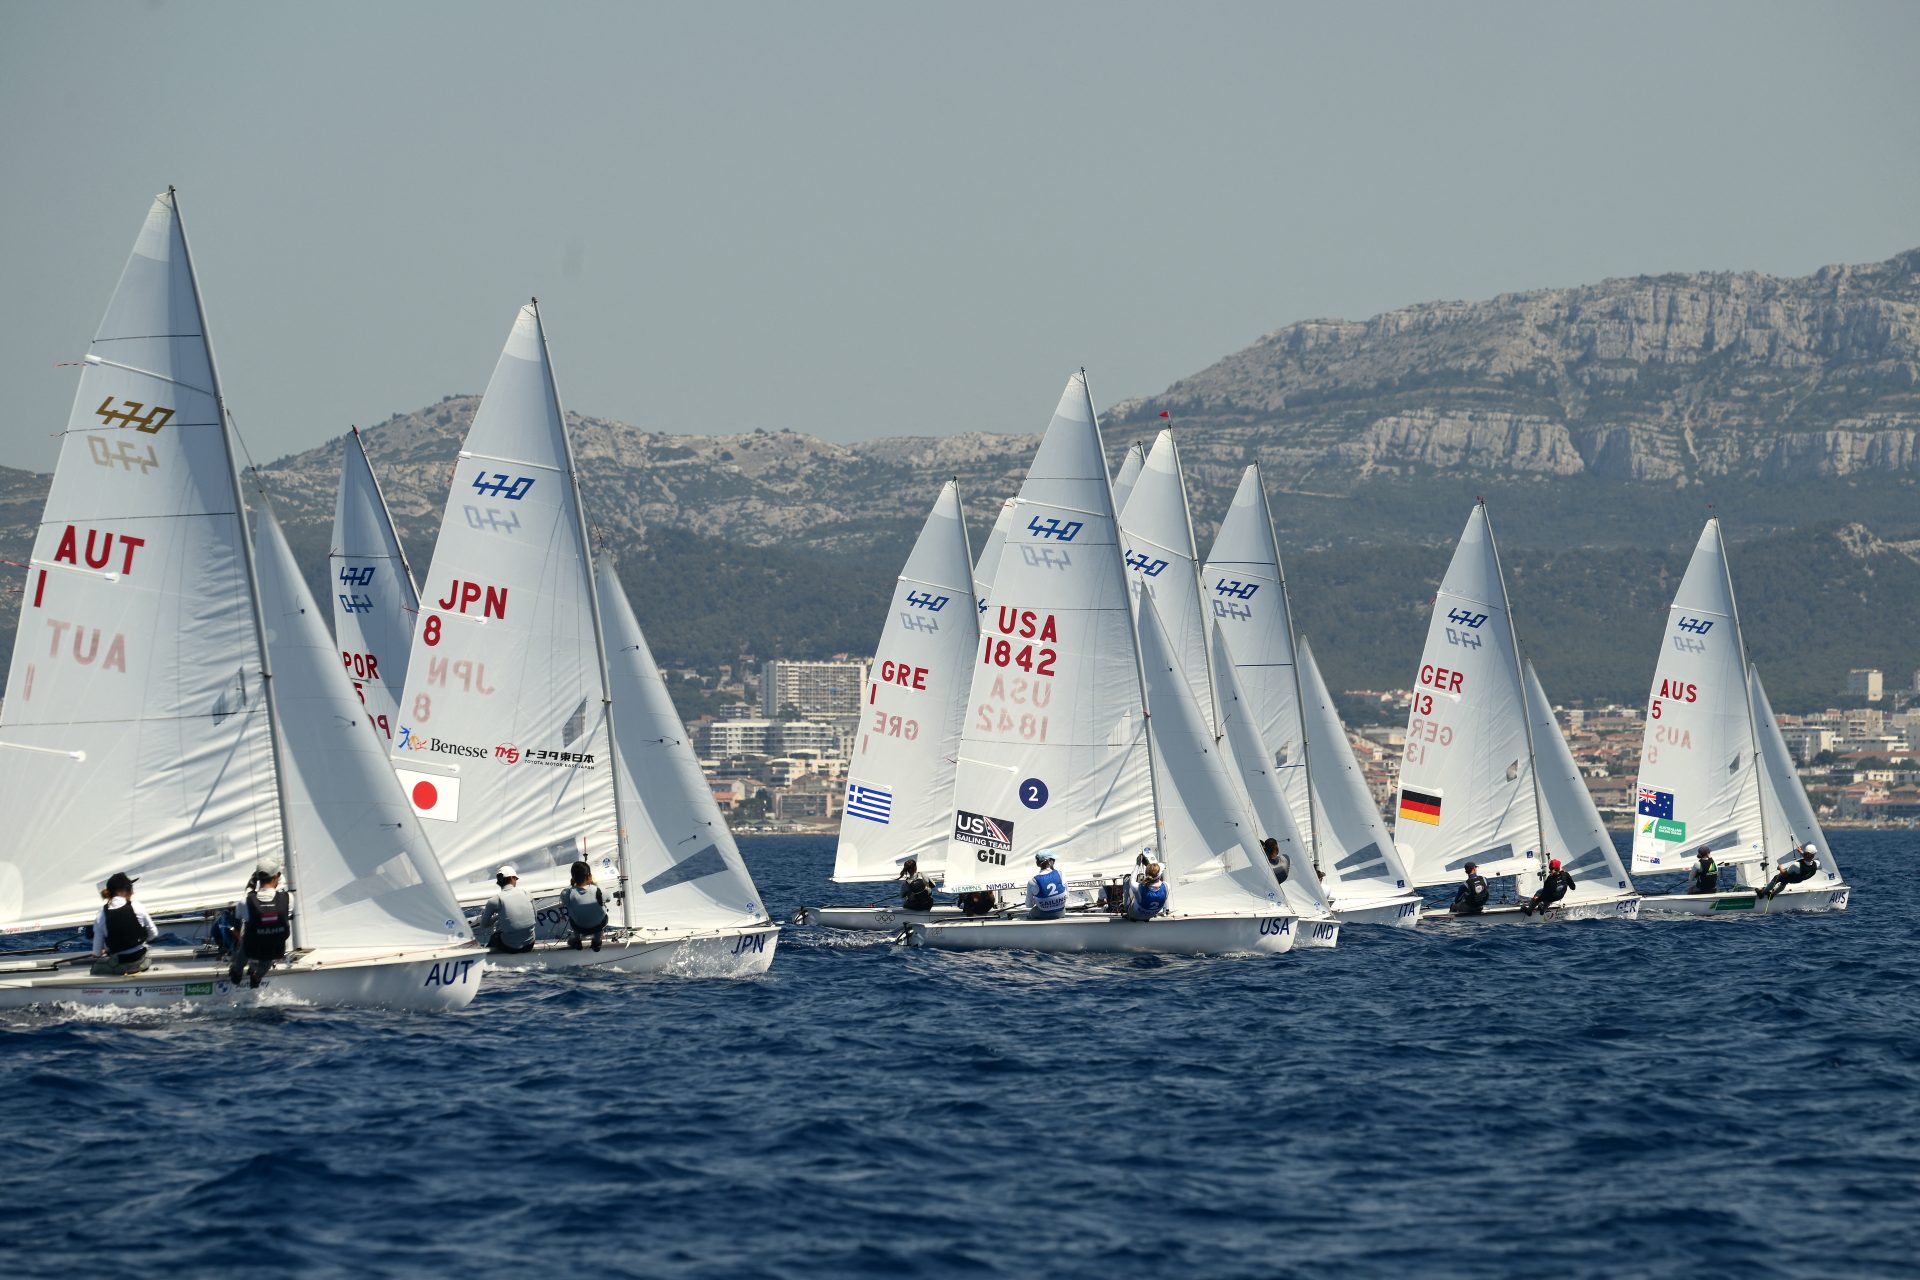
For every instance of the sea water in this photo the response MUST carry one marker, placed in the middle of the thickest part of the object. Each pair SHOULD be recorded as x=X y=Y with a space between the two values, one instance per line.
x=1721 y=1096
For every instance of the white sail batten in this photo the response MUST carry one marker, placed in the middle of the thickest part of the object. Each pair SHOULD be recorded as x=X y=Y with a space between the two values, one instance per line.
x=503 y=736
x=1128 y=476
x=1699 y=783
x=1575 y=832
x=683 y=867
x=1053 y=751
x=1790 y=818
x=1466 y=781
x=136 y=680
x=374 y=600
x=900 y=781
x=1357 y=855
x=1157 y=535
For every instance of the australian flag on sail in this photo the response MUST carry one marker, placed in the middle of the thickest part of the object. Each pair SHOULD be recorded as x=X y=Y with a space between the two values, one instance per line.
x=875 y=804
x=1656 y=804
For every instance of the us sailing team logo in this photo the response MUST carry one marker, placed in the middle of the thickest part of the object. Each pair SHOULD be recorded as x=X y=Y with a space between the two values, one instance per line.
x=977 y=828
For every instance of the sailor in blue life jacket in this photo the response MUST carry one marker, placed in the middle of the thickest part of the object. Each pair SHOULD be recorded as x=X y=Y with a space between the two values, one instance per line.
x=1704 y=876
x=122 y=930
x=1805 y=867
x=1047 y=891
x=507 y=919
x=1552 y=889
x=586 y=908
x=916 y=890
x=265 y=924
x=1278 y=862
x=1146 y=893
x=1471 y=898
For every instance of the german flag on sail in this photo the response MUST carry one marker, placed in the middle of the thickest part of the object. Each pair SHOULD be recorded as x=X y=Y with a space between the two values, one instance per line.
x=1420 y=806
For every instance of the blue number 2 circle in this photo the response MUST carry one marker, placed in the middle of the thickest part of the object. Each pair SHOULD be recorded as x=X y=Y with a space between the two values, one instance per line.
x=1033 y=793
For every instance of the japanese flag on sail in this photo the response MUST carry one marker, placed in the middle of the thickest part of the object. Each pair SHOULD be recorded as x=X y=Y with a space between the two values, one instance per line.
x=431 y=797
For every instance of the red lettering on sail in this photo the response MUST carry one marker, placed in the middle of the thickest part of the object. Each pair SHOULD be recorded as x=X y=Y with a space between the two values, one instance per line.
x=1441 y=678
x=460 y=594
x=900 y=673
x=85 y=645
x=1027 y=624
x=364 y=666
x=99 y=550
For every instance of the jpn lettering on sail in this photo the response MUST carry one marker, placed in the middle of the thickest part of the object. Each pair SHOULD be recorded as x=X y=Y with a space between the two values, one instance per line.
x=1157 y=536
x=900 y=780
x=1053 y=740
x=374 y=602
x=135 y=682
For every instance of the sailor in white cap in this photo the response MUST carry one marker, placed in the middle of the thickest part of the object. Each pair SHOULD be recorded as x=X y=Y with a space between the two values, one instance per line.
x=507 y=919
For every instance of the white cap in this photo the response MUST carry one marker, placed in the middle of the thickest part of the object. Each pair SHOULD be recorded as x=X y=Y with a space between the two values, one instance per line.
x=268 y=866
x=507 y=872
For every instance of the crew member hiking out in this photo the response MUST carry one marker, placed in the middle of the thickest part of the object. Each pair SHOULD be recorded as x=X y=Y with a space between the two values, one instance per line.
x=265 y=923
x=122 y=930
x=1804 y=867
x=1277 y=862
x=1146 y=893
x=1704 y=875
x=507 y=919
x=1552 y=889
x=916 y=890
x=1471 y=898
x=586 y=908
x=1047 y=891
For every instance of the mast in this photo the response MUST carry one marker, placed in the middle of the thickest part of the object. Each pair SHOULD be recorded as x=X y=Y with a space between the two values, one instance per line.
x=1299 y=691
x=593 y=603
x=386 y=513
x=298 y=939
x=1746 y=673
x=1520 y=676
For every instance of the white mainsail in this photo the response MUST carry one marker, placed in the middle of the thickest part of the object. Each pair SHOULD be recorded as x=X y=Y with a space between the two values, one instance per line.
x=1699 y=781
x=504 y=742
x=1157 y=534
x=1127 y=476
x=900 y=781
x=989 y=562
x=1790 y=817
x=683 y=867
x=1575 y=832
x=136 y=734
x=374 y=601
x=1053 y=751
x=1357 y=855
x=1466 y=782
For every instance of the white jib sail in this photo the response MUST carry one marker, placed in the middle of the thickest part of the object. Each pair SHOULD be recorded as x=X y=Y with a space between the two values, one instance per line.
x=1699 y=784
x=1790 y=817
x=503 y=737
x=1357 y=855
x=135 y=736
x=1247 y=594
x=362 y=870
x=989 y=562
x=900 y=781
x=1128 y=475
x=1053 y=751
x=683 y=868
x=1209 y=850
x=374 y=601
x=1466 y=787
x=1157 y=535
x=1575 y=832
x=1252 y=767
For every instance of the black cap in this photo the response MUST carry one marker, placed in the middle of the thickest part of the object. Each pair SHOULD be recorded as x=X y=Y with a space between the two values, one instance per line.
x=1704 y=852
x=120 y=882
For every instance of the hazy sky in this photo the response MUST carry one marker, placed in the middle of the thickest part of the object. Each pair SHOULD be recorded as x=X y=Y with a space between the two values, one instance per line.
x=898 y=218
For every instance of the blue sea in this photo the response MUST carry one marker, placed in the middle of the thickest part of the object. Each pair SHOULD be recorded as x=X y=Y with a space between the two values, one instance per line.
x=1734 y=1096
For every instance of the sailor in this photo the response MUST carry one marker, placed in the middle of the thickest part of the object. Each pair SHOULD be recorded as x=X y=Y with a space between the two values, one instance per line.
x=1704 y=877
x=509 y=914
x=916 y=890
x=1281 y=864
x=1552 y=889
x=122 y=930
x=977 y=903
x=1047 y=891
x=1805 y=867
x=1471 y=898
x=265 y=923
x=586 y=908
x=1146 y=893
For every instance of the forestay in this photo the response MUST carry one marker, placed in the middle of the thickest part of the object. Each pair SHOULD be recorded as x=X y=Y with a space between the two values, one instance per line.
x=1356 y=853
x=363 y=871
x=503 y=735
x=1157 y=536
x=1053 y=748
x=1574 y=833
x=1790 y=817
x=135 y=732
x=683 y=868
x=989 y=562
x=900 y=781
x=1699 y=784
x=1466 y=783
x=1128 y=475
x=374 y=601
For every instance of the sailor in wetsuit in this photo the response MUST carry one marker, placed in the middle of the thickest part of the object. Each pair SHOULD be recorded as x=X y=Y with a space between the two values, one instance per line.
x=1047 y=891
x=586 y=907
x=507 y=919
x=1277 y=862
x=1704 y=877
x=1804 y=868
x=1146 y=893
x=1552 y=889
x=122 y=930
x=916 y=890
x=1471 y=897
x=265 y=923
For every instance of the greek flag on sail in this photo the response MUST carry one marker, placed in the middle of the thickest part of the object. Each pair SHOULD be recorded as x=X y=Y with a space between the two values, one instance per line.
x=872 y=803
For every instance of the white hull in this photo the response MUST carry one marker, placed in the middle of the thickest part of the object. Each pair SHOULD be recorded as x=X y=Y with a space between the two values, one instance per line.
x=1321 y=934
x=1825 y=898
x=1605 y=909
x=713 y=953
x=873 y=919
x=1395 y=913
x=1183 y=935
x=422 y=981
x=1742 y=902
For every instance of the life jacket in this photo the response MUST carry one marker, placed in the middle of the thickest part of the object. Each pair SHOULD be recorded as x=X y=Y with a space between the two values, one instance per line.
x=976 y=904
x=268 y=926
x=917 y=894
x=124 y=930
x=1282 y=867
x=1555 y=887
x=586 y=907
x=1706 y=876
x=1472 y=896
x=1149 y=899
x=1049 y=890
x=1797 y=871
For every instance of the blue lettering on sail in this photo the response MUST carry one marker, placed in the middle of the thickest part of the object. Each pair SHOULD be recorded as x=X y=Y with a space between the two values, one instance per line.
x=1055 y=527
x=359 y=575
x=512 y=488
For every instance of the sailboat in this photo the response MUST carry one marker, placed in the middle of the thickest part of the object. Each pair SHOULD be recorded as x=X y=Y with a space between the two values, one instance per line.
x=177 y=710
x=900 y=781
x=1348 y=848
x=374 y=600
x=989 y=562
x=1078 y=774
x=1128 y=475
x=1162 y=563
x=512 y=724
x=1707 y=776
x=1473 y=785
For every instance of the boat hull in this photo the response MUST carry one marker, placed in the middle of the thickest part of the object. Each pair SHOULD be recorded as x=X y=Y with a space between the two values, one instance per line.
x=1393 y=913
x=873 y=919
x=1744 y=902
x=1605 y=909
x=1183 y=935
x=422 y=981
x=1825 y=898
x=712 y=953
x=1319 y=934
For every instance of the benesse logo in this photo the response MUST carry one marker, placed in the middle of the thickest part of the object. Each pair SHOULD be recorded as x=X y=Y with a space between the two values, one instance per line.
x=410 y=741
x=976 y=828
